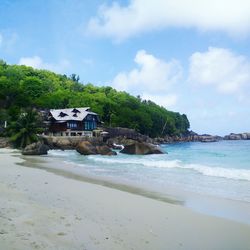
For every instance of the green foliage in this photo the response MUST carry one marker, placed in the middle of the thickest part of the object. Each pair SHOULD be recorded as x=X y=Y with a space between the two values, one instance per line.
x=23 y=87
x=25 y=129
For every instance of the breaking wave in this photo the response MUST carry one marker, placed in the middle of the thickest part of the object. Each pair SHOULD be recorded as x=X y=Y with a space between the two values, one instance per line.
x=61 y=153
x=229 y=173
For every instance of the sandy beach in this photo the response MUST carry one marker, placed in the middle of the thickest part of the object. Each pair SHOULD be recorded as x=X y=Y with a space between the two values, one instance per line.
x=40 y=209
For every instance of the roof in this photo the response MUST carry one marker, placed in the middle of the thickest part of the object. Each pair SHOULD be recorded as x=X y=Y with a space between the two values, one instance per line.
x=76 y=114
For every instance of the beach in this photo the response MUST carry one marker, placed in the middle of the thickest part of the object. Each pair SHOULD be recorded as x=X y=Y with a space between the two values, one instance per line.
x=41 y=209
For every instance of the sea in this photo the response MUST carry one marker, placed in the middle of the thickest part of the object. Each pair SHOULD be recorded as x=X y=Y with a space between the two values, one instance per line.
x=216 y=169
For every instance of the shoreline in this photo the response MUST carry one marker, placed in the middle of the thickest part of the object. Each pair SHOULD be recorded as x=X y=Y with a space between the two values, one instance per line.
x=76 y=173
x=235 y=210
x=43 y=210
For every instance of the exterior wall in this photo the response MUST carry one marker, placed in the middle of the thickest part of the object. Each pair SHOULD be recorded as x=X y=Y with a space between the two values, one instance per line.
x=74 y=128
x=75 y=125
x=85 y=125
x=58 y=127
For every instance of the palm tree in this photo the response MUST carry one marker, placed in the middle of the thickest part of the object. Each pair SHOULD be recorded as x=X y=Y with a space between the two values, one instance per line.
x=24 y=131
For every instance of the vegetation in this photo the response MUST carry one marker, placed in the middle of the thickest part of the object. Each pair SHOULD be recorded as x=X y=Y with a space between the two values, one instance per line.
x=22 y=87
x=24 y=131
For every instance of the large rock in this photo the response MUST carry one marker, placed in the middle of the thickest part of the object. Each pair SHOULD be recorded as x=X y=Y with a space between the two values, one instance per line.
x=244 y=136
x=233 y=136
x=141 y=148
x=68 y=142
x=105 y=150
x=4 y=142
x=86 y=148
x=189 y=136
x=241 y=136
x=64 y=143
x=60 y=142
x=208 y=138
x=119 y=142
x=119 y=134
x=37 y=148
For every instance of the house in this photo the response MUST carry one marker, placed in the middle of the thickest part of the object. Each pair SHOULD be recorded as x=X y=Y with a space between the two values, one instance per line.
x=72 y=122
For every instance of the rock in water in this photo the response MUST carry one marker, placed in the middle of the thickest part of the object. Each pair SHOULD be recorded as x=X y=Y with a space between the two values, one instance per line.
x=37 y=148
x=86 y=148
x=141 y=148
x=105 y=150
x=208 y=138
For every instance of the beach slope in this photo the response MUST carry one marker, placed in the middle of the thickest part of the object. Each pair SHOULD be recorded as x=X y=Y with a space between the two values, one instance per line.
x=42 y=210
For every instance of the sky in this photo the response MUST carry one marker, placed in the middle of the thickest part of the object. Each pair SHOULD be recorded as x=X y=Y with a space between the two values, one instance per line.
x=189 y=56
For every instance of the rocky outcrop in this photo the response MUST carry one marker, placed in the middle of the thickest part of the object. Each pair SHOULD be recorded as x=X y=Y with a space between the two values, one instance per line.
x=37 y=148
x=120 y=135
x=68 y=142
x=113 y=142
x=83 y=145
x=88 y=148
x=209 y=138
x=141 y=148
x=241 y=136
x=188 y=137
x=105 y=150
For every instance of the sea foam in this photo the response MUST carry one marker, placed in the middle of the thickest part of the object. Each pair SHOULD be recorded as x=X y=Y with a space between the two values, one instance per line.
x=229 y=173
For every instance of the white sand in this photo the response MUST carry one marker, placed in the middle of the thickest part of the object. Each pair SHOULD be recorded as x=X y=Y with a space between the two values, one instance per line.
x=42 y=210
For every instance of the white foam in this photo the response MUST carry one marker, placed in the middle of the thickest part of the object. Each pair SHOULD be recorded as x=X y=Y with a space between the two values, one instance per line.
x=119 y=145
x=63 y=153
x=229 y=173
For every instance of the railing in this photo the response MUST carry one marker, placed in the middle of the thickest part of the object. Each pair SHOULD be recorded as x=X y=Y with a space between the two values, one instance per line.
x=71 y=133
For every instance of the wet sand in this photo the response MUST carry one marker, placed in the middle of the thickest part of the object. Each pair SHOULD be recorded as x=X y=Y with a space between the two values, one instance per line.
x=49 y=210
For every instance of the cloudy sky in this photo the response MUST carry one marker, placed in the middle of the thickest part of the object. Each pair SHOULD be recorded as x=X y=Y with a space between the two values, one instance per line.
x=189 y=56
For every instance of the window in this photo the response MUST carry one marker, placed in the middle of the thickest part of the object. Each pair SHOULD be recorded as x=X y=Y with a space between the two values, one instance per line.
x=71 y=125
x=89 y=125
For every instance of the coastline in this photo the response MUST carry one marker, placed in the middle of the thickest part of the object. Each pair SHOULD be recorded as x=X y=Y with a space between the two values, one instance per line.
x=236 y=210
x=46 y=210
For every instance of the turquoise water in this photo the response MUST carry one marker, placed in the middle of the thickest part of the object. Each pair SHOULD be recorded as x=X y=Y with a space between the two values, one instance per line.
x=220 y=169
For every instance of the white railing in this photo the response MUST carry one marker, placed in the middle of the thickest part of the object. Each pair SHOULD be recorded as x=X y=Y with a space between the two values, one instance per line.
x=71 y=133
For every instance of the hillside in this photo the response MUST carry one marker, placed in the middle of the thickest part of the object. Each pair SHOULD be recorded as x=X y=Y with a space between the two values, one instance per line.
x=22 y=87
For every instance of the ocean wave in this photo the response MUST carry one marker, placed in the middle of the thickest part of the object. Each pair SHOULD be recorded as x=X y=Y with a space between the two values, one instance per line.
x=229 y=173
x=147 y=162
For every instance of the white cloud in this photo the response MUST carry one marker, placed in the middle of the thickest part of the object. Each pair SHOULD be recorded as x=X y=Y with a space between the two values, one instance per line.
x=35 y=62
x=121 y=22
x=151 y=74
x=151 y=77
x=222 y=68
x=167 y=100
x=38 y=63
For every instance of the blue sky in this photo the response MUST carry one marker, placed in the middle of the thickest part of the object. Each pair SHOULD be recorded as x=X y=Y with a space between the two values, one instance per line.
x=190 y=56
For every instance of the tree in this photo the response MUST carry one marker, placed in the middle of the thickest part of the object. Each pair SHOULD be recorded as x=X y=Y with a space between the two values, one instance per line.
x=24 y=131
x=74 y=78
x=22 y=87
